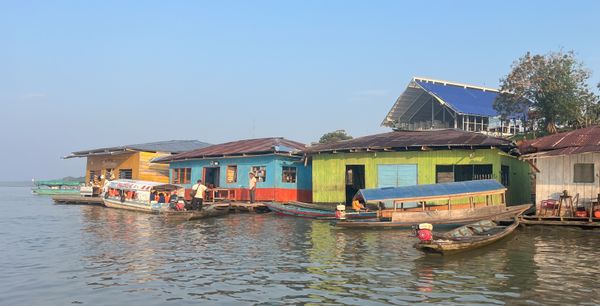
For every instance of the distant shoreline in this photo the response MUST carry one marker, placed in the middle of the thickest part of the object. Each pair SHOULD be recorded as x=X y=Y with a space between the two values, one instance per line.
x=16 y=184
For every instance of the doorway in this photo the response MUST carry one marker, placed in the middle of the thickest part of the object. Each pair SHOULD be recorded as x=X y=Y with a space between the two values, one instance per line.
x=211 y=176
x=355 y=180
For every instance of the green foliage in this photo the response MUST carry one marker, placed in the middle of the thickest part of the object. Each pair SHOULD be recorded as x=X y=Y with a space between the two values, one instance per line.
x=334 y=136
x=551 y=89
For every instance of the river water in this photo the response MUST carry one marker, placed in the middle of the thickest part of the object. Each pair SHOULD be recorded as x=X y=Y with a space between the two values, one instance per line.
x=61 y=254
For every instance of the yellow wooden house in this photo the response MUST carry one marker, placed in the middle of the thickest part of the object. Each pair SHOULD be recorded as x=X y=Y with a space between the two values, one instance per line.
x=133 y=161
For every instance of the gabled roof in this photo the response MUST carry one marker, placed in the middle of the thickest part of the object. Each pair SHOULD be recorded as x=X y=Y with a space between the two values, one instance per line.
x=247 y=147
x=415 y=140
x=572 y=142
x=170 y=146
x=462 y=98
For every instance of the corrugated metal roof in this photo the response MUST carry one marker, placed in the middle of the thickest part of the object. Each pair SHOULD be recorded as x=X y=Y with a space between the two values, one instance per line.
x=429 y=190
x=411 y=140
x=463 y=98
x=240 y=148
x=572 y=142
x=169 y=146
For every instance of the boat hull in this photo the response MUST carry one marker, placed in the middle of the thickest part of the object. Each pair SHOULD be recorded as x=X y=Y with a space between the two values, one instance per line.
x=446 y=218
x=303 y=211
x=206 y=212
x=55 y=191
x=448 y=246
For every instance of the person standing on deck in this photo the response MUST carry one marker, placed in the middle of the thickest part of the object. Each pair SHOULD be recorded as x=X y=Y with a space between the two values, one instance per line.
x=252 y=187
x=198 y=191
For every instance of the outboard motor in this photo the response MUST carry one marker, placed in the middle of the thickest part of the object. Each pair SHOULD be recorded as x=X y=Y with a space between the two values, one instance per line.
x=423 y=231
x=340 y=212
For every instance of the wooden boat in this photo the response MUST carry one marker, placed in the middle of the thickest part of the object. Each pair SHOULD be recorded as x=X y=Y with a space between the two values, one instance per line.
x=136 y=196
x=461 y=203
x=468 y=237
x=56 y=187
x=305 y=211
x=206 y=212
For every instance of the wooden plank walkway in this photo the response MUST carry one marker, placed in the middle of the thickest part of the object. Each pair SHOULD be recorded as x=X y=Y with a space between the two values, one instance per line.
x=77 y=200
x=557 y=221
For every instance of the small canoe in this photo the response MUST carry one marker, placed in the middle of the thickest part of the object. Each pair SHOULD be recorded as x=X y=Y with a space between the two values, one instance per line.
x=468 y=237
x=207 y=211
x=304 y=211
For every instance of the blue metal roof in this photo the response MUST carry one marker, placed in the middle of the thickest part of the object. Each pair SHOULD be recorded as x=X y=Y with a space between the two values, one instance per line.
x=428 y=190
x=463 y=99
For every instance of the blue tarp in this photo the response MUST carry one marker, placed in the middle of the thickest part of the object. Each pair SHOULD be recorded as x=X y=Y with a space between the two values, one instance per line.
x=428 y=190
x=464 y=100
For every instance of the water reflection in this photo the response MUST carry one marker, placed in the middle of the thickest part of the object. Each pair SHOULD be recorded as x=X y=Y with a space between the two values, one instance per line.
x=93 y=255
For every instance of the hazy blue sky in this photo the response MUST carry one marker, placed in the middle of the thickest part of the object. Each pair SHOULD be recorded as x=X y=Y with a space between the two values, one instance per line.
x=86 y=74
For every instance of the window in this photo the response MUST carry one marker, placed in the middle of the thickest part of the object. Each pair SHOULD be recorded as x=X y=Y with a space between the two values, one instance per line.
x=181 y=175
x=583 y=173
x=125 y=174
x=231 y=174
x=288 y=174
x=93 y=174
x=444 y=174
x=459 y=173
x=396 y=175
x=260 y=172
x=505 y=175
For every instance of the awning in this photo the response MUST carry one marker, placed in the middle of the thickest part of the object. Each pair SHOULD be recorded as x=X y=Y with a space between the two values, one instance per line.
x=423 y=192
x=141 y=185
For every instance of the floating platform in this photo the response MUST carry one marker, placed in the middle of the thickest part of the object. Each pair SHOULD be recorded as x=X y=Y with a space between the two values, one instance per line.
x=77 y=200
x=558 y=221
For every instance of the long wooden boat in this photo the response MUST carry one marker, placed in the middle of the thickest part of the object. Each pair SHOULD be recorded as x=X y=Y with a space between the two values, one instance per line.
x=292 y=209
x=468 y=237
x=56 y=187
x=138 y=196
x=464 y=202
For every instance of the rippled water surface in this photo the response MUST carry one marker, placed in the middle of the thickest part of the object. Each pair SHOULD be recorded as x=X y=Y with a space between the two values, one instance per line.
x=59 y=255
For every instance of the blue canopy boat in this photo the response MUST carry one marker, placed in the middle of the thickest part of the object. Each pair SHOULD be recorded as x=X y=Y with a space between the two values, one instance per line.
x=450 y=204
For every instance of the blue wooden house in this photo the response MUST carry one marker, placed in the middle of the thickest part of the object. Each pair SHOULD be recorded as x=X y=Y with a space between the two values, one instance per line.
x=282 y=173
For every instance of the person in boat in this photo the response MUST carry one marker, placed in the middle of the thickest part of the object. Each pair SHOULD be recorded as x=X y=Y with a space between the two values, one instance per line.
x=252 y=186
x=161 y=197
x=198 y=191
x=356 y=205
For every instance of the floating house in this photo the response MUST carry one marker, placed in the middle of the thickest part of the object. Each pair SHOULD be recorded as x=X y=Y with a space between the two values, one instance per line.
x=282 y=174
x=134 y=161
x=403 y=158
x=566 y=161
x=434 y=104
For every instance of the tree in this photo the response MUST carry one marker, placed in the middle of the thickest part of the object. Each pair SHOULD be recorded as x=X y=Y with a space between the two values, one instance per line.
x=334 y=136
x=553 y=86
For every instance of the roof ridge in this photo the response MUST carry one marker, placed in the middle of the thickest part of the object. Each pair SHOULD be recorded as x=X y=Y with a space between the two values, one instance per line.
x=444 y=82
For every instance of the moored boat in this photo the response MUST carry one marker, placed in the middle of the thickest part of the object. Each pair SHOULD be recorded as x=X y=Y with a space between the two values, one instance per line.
x=56 y=187
x=306 y=211
x=467 y=237
x=155 y=198
x=448 y=204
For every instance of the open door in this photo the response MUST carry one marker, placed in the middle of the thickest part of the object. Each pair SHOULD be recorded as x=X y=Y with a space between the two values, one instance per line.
x=211 y=177
x=355 y=180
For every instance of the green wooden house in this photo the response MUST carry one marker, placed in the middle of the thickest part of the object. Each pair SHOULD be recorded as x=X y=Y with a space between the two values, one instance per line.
x=402 y=158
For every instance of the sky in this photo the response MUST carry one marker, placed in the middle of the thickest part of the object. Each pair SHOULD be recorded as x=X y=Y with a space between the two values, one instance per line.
x=78 y=75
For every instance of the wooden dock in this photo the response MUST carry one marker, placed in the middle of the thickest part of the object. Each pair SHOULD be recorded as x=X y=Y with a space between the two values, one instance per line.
x=558 y=221
x=77 y=200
